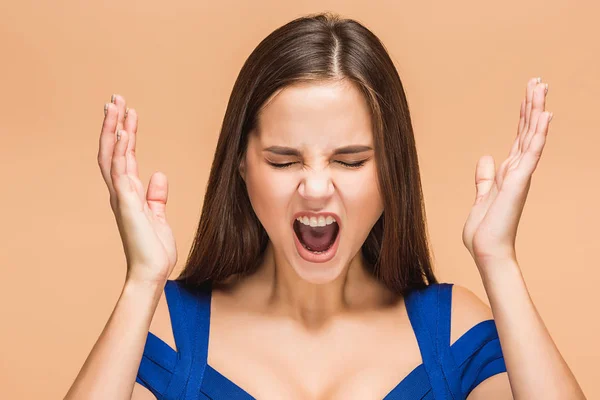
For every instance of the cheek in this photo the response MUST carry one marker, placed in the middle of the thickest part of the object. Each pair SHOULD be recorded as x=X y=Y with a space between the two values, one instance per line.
x=360 y=191
x=363 y=202
x=270 y=195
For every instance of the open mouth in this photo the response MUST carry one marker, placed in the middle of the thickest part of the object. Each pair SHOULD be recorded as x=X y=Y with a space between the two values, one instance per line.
x=316 y=239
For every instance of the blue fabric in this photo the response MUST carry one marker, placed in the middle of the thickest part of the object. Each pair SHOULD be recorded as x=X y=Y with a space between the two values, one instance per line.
x=447 y=372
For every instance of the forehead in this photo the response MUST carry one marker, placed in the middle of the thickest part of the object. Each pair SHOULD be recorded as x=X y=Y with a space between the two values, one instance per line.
x=321 y=113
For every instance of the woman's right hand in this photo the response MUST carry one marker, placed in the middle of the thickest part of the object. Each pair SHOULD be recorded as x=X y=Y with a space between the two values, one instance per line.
x=148 y=241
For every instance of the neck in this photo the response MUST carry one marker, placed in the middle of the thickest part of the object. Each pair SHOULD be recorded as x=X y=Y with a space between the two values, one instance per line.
x=313 y=303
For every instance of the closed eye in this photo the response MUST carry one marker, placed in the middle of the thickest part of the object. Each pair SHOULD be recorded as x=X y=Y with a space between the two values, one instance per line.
x=352 y=165
x=348 y=165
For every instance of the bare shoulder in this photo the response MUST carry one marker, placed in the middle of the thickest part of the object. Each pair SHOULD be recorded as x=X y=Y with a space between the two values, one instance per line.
x=161 y=323
x=141 y=393
x=467 y=311
x=161 y=327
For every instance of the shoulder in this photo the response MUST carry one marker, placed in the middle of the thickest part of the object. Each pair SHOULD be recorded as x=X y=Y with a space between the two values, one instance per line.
x=161 y=325
x=467 y=311
x=176 y=298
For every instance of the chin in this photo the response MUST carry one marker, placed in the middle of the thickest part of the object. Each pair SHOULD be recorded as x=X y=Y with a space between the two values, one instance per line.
x=317 y=273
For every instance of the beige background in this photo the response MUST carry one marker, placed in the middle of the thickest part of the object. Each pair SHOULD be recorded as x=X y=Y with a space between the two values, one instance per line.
x=464 y=66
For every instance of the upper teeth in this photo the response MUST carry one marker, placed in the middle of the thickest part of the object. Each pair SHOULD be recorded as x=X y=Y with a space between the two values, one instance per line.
x=314 y=221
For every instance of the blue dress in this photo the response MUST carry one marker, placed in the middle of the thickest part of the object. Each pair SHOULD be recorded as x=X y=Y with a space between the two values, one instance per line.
x=447 y=372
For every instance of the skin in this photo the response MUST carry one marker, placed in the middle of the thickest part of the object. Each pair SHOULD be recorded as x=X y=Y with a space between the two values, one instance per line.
x=314 y=119
x=314 y=314
x=302 y=321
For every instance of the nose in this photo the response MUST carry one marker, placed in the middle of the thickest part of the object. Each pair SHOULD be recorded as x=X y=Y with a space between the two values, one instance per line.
x=316 y=186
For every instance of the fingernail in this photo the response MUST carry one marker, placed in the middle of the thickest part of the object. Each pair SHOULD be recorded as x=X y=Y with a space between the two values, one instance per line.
x=119 y=135
x=105 y=108
x=550 y=118
x=546 y=90
x=539 y=80
x=126 y=111
x=112 y=98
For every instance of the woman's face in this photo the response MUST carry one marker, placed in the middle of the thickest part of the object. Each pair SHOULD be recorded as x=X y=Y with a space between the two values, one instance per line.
x=303 y=125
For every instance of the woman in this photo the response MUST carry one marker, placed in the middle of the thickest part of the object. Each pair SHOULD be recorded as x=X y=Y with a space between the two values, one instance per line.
x=310 y=271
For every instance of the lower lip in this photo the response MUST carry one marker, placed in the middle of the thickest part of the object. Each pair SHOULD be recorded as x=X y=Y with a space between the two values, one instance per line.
x=317 y=258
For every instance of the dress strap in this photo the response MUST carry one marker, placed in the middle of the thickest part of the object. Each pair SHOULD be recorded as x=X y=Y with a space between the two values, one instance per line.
x=429 y=312
x=189 y=309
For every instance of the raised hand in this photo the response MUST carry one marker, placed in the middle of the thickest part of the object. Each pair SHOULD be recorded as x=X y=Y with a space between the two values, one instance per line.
x=148 y=241
x=491 y=227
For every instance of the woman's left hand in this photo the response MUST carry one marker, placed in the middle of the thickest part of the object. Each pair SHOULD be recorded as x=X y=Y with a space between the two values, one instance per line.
x=491 y=227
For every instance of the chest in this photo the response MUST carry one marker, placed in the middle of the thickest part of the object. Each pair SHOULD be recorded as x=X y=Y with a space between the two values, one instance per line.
x=352 y=358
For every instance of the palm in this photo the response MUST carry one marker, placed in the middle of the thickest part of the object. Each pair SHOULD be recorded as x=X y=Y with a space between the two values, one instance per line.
x=148 y=241
x=152 y=203
x=491 y=227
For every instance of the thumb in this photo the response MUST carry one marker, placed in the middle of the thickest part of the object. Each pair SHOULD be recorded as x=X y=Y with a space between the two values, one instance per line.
x=485 y=174
x=157 y=194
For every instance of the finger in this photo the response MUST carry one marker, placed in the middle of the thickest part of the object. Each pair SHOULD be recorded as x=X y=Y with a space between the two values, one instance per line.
x=531 y=157
x=119 y=101
x=539 y=106
x=118 y=170
x=157 y=194
x=106 y=145
x=521 y=117
x=514 y=150
x=130 y=125
x=528 y=106
x=515 y=147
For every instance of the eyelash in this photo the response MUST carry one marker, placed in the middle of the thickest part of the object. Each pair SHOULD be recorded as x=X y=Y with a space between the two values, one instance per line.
x=352 y=165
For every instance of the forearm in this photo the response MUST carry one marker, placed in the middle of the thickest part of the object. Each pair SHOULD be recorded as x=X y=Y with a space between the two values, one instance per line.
x=535 y=367
x=110 y=370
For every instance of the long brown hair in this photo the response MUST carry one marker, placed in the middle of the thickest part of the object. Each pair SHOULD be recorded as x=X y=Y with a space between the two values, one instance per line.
x=230 y=240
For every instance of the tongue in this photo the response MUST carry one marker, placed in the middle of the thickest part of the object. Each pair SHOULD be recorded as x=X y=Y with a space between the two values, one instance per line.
x=317 y=238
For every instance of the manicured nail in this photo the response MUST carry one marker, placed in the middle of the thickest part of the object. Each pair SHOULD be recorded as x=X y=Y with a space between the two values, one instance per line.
x=112 y=98
x=105 y=108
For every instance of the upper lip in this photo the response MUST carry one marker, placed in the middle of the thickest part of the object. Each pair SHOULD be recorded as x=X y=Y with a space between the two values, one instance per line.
x=317 y=215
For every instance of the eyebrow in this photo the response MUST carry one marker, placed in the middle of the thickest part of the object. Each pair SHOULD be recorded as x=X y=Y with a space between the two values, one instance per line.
x=289 y=151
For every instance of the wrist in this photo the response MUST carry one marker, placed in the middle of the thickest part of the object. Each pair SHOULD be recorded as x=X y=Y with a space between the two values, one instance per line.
x=138 y=287
x=493 y=269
